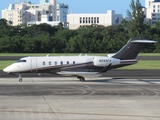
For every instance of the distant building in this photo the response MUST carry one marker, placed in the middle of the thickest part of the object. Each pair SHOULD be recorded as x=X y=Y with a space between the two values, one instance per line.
x=45 y=19
x=55 y=12
x=25 y=12
x=110 y=18
x=152 y=11
x=44 y=1
x=62 y=12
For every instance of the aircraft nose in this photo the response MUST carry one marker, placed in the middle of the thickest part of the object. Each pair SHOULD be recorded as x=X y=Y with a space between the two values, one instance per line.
x=6 y=70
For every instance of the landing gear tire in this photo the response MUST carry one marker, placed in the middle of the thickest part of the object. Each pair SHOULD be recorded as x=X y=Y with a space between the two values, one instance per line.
x=82 y=79
x=20 y=79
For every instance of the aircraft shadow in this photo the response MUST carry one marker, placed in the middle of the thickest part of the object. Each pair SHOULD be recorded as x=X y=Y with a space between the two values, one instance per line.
x=113 y=80
x=123 y=81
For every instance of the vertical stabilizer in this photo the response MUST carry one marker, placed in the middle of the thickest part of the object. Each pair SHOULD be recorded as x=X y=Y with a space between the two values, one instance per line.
x=132 y=48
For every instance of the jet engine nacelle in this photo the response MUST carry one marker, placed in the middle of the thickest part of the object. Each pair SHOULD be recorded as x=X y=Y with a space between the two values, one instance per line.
x=105 y=61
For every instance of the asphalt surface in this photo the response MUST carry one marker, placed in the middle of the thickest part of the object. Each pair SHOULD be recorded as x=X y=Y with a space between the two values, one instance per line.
x=71 y=86
x=68 y=99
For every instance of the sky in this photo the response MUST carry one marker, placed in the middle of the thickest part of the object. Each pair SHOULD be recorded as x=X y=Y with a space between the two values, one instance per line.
x=85 y=6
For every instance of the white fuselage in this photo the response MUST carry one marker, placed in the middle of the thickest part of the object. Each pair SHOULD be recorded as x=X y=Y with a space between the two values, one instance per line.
x=66 y=64
x=34 y=64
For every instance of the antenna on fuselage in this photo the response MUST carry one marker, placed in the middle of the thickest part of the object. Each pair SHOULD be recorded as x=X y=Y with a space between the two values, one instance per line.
x=47 y=55
x=80 y=54
x=39 y=74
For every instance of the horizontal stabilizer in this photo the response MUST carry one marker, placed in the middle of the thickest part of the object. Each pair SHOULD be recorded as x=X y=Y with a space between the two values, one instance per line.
x=143 y=41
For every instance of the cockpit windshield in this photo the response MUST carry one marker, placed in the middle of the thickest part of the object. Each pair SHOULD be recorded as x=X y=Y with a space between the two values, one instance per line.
x=20 y=61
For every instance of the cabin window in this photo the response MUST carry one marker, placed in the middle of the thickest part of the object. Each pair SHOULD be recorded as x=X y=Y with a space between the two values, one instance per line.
x=74 y=62
x=67 y=62
x=61 y=63
x=43 y=63
x=49 y=62
x=21 y=61
x=55 y=63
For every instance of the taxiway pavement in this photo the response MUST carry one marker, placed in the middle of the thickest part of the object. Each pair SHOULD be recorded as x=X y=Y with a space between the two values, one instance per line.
x=60 y=98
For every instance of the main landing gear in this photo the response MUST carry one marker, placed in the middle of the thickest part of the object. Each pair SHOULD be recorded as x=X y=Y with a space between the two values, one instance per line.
x=20 y=78
x=82 y=79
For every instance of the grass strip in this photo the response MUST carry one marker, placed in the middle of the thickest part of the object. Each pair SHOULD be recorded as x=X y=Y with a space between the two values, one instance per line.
x=145 y=64
x=5 y=63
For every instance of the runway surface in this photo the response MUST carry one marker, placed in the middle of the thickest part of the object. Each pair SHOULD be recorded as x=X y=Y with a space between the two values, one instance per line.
x=60 y=98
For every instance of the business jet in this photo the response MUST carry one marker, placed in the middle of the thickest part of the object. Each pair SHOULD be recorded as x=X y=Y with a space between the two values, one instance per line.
x=79 y=66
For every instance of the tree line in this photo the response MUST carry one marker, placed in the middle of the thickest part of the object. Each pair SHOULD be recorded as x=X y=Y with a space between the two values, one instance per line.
x=44 y=38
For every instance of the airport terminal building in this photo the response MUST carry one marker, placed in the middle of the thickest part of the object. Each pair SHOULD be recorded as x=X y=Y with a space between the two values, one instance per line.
x=107 y=19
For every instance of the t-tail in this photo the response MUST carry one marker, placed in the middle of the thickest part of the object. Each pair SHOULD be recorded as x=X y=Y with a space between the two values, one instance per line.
x=132 y=48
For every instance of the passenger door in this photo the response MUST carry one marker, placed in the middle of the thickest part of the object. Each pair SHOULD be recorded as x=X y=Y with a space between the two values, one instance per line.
x=33 y=65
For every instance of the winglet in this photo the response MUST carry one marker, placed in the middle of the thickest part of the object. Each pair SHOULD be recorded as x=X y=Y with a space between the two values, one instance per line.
x=80 y=54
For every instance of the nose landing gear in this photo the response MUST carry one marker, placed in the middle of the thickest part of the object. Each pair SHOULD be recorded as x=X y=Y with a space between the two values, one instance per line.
x=20 y=78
